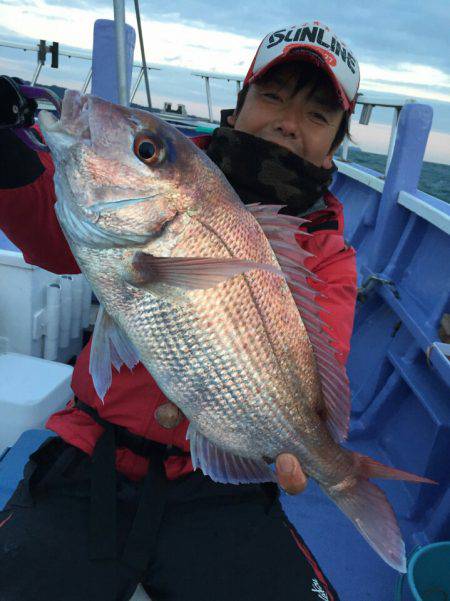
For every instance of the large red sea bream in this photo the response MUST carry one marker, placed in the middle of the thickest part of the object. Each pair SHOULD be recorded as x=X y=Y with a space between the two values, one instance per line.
x=213 y=298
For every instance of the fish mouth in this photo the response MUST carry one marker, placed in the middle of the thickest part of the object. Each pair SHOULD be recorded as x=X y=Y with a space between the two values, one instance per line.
x=105 y=207
x=70 y=138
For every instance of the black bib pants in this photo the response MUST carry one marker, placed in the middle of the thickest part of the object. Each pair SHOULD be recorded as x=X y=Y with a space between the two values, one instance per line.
x=75 y=529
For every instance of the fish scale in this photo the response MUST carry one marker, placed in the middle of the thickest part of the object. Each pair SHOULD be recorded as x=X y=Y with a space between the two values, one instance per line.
x=232 y=382
x=278 y=375
x=228 y=376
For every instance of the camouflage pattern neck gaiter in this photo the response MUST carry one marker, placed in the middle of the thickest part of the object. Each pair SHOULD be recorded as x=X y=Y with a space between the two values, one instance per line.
x=265 y=172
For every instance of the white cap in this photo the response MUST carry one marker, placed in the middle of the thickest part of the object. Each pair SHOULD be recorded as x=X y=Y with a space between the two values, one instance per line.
x=316 y=43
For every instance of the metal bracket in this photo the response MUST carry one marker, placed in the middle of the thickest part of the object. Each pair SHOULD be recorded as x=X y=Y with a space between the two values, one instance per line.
x=53 y=50
x=42 y=50
x=438 y=354
x=371 y=282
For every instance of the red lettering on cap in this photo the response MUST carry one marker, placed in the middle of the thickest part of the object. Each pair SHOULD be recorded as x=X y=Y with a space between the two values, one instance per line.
x=330 y=59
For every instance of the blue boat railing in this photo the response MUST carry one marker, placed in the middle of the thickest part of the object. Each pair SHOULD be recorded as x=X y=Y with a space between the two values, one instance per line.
x=429 y=207
x=398 y=367
x=368 y=103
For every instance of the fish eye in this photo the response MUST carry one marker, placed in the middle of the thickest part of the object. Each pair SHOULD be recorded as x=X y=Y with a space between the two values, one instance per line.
x=146 y=148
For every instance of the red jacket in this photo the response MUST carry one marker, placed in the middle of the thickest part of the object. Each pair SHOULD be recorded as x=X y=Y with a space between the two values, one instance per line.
x=28 y=219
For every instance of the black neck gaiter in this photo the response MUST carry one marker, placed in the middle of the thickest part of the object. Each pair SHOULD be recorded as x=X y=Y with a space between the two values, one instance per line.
x=265 y=172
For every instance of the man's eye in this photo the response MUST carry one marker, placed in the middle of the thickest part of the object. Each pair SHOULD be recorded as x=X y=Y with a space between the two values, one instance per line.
x=272 y=95
x=320 y=117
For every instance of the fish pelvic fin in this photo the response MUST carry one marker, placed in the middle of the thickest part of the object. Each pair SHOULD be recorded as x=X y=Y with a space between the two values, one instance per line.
x=224 y=467
x=283 y=234
x=109 y=345
x=368 y=508
x=190 y=273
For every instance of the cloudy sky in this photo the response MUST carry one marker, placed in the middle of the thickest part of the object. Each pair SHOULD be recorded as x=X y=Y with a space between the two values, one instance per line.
x=403 y=47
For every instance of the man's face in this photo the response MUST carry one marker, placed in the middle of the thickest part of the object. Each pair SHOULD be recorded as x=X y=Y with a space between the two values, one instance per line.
x=303 y=122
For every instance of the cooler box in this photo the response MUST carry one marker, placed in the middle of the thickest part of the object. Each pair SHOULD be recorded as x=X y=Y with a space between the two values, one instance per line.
x=31 y=389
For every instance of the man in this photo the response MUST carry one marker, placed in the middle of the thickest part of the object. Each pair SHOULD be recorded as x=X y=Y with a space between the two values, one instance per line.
x=81 y=529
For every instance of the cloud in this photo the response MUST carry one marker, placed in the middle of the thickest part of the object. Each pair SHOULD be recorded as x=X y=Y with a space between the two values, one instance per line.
x=163 y=39
x=407 y=90
x=201 y=46
x=390 y=31
x=407 y=73
x=385 y=33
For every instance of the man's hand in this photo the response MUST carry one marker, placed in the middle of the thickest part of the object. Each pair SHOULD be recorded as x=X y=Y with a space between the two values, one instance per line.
x=168 y=415
x=290 y=475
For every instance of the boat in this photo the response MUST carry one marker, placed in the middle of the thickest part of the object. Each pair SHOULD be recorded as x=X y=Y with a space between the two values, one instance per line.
x=399 y=364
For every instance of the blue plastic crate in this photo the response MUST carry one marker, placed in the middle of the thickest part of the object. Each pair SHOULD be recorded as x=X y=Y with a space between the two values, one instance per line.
x=13 y=462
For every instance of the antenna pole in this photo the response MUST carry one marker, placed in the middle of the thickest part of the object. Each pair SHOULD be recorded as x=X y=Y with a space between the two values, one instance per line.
x=141 y=42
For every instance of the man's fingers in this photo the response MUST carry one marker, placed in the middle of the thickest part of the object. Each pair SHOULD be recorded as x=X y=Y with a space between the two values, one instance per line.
x=168 y=415
x=290 y=474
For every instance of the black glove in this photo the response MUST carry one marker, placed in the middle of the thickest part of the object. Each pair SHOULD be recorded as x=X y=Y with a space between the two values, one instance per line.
x=15 y=109
x=19 y=164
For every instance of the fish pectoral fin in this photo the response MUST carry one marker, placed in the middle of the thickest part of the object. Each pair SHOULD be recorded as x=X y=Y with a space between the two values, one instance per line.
x=223 y=466
x=191 y=273
x=109 y=345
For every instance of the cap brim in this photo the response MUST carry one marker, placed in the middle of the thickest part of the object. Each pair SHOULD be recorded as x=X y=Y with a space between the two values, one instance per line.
x=306 y=53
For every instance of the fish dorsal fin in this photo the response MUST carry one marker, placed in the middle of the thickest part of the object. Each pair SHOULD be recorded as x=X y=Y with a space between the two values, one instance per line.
x=223 y=466
x=109 y=345
x=281 y=232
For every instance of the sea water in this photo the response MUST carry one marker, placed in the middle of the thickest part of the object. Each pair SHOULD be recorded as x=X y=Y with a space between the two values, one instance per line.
x=434 y=179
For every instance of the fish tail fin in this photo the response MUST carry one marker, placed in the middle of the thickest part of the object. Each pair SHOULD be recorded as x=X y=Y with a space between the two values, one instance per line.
x=368 y=508
x=369 y=468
